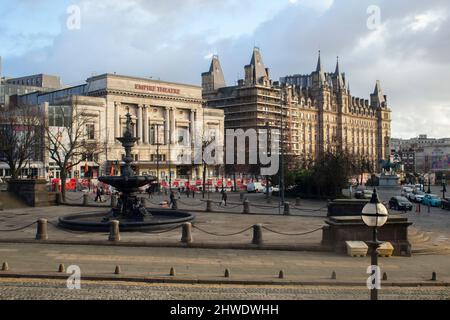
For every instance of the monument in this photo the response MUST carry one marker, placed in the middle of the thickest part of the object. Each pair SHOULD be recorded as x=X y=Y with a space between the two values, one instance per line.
x=130 y=210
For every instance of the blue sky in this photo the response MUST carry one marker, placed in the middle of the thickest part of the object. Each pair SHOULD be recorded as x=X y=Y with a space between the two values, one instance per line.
x=409 y=51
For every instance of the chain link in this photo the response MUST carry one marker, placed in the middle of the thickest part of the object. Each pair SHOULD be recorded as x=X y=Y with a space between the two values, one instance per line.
x=68 y=231
x=161 y=232
x=222 y=235
x=19 y=229
x=291 y=234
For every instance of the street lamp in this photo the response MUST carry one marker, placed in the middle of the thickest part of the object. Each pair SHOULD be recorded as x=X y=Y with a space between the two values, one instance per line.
x=374 y=215
x=444 y=188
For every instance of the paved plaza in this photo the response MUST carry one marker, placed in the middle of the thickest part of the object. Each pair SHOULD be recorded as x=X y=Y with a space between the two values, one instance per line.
x=149 y=256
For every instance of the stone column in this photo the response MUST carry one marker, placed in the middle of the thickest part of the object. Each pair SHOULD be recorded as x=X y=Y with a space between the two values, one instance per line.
x=145 y=127
x=116 y=120
x=167 y=127
x=173 y=128
x=139 y=131
x=192 y=129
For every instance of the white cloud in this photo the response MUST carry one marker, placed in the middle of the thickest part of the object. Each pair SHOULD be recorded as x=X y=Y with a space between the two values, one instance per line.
x=427 y=21
x=409 y=52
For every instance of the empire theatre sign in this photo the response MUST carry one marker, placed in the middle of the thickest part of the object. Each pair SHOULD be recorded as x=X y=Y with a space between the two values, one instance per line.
x=157 y=89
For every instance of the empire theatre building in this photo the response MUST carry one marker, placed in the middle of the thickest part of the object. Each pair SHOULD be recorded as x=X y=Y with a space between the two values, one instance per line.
x=169 y=119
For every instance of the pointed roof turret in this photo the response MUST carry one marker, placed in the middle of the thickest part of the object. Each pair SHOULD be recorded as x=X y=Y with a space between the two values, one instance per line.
x=319 y=70
x=377 y=98
x=338 y=70
x=339 y=80
x=378 y=92
x=256 y=70
x=319 y=64
x=213 y=79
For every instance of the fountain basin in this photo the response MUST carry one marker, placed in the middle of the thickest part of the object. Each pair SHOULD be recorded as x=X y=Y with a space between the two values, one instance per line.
x=127 y=184
x=159 y=220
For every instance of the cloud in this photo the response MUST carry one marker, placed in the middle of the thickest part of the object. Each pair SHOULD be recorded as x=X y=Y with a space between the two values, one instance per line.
x=409 y=51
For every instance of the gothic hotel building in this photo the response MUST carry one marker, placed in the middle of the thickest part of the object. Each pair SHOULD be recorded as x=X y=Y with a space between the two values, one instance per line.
x=319 y=112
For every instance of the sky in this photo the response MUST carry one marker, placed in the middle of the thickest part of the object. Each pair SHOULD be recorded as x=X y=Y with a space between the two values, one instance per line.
x=404 y=43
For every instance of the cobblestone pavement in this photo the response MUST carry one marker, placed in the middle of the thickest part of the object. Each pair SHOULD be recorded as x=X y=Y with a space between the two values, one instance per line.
x=256 y=265
x=91 y=290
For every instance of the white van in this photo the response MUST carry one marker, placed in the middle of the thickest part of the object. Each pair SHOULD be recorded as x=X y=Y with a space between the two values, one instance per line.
x=255 y=187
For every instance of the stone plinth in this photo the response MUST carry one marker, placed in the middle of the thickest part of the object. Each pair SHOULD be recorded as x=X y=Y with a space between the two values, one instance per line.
x=33 y=192
x=389 y=181
x=346 y=207
x=341 y=229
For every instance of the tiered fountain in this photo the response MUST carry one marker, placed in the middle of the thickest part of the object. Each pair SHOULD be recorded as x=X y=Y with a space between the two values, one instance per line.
x=130 y=211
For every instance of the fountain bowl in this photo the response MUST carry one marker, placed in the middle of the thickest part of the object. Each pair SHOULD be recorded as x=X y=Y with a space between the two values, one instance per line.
x=160 y=219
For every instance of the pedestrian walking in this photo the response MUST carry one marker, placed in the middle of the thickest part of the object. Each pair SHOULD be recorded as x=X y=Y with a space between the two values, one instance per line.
x=224 y=198
x=99 y=195
x=188 y=192
x=172 y=199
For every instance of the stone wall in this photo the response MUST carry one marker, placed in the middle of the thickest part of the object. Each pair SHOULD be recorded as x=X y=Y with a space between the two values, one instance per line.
x=33 y=192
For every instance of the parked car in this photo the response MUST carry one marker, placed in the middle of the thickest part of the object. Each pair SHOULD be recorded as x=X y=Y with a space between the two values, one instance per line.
x=255 y=187
x=406 y=191
x=400 y=204
x=362 y=193
x=417 y=196
x=431 y=200
x=271 y=189
x=445 y=204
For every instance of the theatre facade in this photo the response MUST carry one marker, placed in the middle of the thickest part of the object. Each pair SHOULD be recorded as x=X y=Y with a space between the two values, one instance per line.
x=170 y=121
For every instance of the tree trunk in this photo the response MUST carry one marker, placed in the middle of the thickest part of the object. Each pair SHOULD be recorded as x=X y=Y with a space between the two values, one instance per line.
x=63 y=177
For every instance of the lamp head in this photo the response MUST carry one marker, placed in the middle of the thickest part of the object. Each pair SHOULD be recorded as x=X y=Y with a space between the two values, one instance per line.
x=374 y=214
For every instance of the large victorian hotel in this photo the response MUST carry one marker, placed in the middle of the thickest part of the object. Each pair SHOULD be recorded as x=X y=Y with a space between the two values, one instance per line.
x=169 y=119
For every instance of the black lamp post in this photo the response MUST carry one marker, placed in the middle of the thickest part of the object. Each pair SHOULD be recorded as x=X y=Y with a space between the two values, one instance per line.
x=444 y=190
x=374 y=215
x=429 y=185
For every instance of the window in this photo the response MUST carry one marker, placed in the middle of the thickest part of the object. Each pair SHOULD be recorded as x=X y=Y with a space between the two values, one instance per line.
x=90 y=131
x=59 y=116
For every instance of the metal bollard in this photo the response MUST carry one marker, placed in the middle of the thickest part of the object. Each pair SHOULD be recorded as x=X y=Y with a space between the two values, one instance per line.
x=59 y=199
x=257 y=234
x=85 y=199
x=41 y=233
x=209 y=206
x=287 y=209
x=434 y=276
x=113 y=201
x=175 y=204
x=114 y=232
x=246 y=207
x=186 y=233
x=297 y=202
x=241 y=196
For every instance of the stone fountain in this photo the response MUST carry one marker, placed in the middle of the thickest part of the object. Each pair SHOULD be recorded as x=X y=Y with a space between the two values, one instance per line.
x=130 y=211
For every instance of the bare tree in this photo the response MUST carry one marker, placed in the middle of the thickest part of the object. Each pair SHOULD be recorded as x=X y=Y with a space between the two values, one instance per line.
x=70 y=141
x=21 y=137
